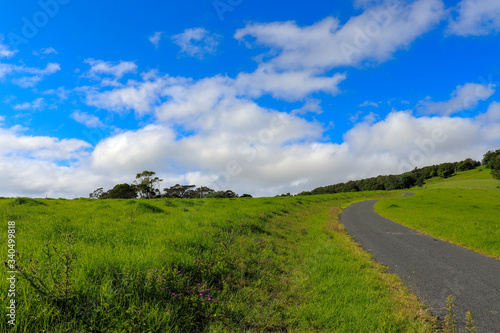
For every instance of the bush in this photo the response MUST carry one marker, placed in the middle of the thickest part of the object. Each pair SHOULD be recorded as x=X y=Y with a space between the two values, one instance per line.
x=28 y=202
x=148 y=208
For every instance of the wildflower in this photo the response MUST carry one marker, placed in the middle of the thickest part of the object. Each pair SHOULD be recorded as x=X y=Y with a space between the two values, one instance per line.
x=156 y=270
x=209 y=299
x=5 y=263
x=203 y=300
x=179 y=272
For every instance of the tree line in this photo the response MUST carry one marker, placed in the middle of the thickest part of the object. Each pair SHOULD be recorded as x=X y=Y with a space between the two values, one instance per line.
x=146 y=185
x=416 y=177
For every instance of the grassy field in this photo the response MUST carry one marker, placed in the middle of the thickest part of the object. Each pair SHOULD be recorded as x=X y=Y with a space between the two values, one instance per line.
x=479 y=178
x=469 y=218
x=211 y=265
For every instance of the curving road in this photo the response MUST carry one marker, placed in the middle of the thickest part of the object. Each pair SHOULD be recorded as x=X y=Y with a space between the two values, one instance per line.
x=432 y=269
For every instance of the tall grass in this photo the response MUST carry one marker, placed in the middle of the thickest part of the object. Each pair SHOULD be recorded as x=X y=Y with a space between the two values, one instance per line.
x=212 y=265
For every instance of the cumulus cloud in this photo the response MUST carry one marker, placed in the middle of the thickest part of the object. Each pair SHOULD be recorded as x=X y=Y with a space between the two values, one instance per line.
x=197 y=42
x=462 y=98
x=287 y=85
x=475 y=18
x=278 y=152
x=115 y=69
x=374 y=35
x=86 y=119
x=155 y=39
x=14 y=143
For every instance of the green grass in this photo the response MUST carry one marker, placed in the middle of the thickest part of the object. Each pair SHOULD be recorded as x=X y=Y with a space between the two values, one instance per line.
x=465 y=217
x=479 y=178
x=273 y=264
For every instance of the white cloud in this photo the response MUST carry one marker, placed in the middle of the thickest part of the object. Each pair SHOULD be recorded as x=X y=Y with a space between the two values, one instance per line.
x=117 y=70
x=462 y=98
x=288 y=85
x=476 y=18
x=86 y=119
x=37 y=74
x=197 y=42
x=374 y=35
x=155 y=39
x=46 y=51
x=36 y=105
x=5 y=52
x=369 y=103
x=60 y=92
x=265 y=159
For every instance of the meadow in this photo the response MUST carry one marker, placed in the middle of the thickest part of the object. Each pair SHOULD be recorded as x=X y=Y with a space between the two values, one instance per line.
x=463 y=210
x=205 y=265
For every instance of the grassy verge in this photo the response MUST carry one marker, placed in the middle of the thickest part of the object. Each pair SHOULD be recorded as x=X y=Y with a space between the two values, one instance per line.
x=465 y=217
x=214 y=265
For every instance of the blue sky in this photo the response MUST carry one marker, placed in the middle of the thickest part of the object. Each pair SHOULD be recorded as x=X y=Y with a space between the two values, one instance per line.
x=246 y=95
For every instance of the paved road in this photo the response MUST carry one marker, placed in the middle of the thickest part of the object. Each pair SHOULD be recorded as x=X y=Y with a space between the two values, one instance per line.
x=432 y=269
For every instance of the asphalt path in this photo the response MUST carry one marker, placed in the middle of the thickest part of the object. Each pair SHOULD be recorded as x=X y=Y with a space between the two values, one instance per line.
x=432 y=269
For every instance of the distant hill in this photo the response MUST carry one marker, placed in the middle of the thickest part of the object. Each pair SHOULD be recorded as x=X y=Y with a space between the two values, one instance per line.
x=479 y=178
x=464 y=174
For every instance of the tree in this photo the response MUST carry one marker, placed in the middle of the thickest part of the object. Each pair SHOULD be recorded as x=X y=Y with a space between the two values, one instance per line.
x=446 y=170
x=122 y=191
x=467 y=164
x=147 y=186
x=222 y=194
x=202 y=191
x=489 y=158
x=420 y=182
x=180 y=191
x=96 y=194
x=495 y=168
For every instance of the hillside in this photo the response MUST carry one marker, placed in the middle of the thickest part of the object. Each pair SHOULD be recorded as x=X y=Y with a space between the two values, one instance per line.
x=479 y=178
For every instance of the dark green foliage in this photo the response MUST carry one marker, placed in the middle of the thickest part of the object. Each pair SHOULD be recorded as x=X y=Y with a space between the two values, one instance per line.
x=492 y=161
x=491 y=158
x=467 y=164
x=446 y=170
x=186 y=191
x=28 y=202
x=222 y=194
x=249 y=196
x=122 y=191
